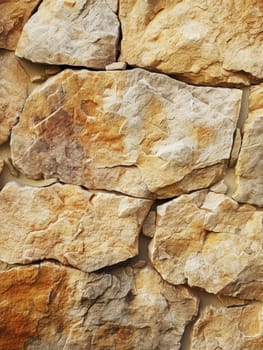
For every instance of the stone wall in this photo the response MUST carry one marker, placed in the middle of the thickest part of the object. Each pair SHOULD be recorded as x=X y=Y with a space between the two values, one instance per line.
x=131 y=181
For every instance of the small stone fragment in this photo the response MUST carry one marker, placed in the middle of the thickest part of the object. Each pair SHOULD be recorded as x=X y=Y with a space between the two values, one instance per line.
x=116 y=66
x=39 y=78
x=179 y=38
x=249 y=167
x=49 y=307
x=231 y=301
x=14 y=15
x=210 y=241
x=238 y=328
x=219 y=187
x=135 y=132
x=66 y=223
x=78 y=33
x=148 y=228
x=235 y=148
x=12 y=170
x=12 y=94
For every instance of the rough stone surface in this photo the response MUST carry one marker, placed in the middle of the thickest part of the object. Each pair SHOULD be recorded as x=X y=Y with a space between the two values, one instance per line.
x=48 y=306
x=238 y=328
x=85 y=34
x=210 y=43
x=210 y=241
x=133 y=131
x=66 y=223
x=12 y=94
x=14 y=14
x=249 y=168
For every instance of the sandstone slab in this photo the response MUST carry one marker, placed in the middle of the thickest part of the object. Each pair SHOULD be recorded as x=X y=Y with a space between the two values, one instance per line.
x=249 y=168
x=48 y=306
x=12 y=94
x=136 y=132
x=238 y=328
x=1 y=165
x=66 y=223
x=208 y=240
x=14 y=15
x=206 y=43
x=84 y=34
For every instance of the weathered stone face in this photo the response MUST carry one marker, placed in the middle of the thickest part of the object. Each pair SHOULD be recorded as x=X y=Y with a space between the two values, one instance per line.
x=135 y=132
x=210 y=43
x=249 y=168
x=46 y=305
x=14 y=14
x=210 y=241
x=1 y=165
x=235 y=328
x=12 y=94
x=77 y=33
x=68 y=224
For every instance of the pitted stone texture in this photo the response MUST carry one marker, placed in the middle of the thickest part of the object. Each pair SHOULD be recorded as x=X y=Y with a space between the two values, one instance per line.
x=249 y=168
x=14 y=15
x=210 y=241
x=239 y=328
x=203 y=43
x=133 y=131
x=52 y=307
x=13 y=92
x=64 y=222
x=84 y=34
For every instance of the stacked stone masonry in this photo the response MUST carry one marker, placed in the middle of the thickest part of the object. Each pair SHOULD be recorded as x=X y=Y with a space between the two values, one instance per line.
x=131 y=175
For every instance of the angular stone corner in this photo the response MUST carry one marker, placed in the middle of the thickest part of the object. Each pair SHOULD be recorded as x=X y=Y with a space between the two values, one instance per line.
x=66 y=223
x=78 y=33
x=210 y=43
x=229 y=329
x=50 y=307
x=209 y=241
x=14 y=15
x=249 y=168
x=12 y=93
x=136 y=132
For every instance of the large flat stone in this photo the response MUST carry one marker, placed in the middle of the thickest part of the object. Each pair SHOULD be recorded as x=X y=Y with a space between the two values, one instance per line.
x=77 y=33
x=208 y=240
x=215 y=42
x=14 y=15
x=51 y=307
x=69 y=224
x=12 y=93
x=136 y=132
x=238 y=328
x=249 y=168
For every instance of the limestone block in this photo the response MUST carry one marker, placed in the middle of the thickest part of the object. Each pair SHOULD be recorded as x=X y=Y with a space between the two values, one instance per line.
x=14 y=15
x=48 y=306
x=238 y=328
x=136 y=132
x=12 y=93
x=208 y=240
x=79 y=33
x=66 y=223
x=215 y=42
x=249 y=168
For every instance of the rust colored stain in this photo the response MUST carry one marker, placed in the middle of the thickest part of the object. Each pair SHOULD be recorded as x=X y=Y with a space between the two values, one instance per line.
x=204 y=135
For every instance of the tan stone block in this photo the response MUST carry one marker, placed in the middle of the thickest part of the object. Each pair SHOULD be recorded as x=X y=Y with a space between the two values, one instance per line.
x=201 y=42
x=66 y=223
x=135 y=132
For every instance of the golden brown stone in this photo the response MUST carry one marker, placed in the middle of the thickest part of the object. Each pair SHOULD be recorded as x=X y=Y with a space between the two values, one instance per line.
x=238 y=328
x=249 y=168
x=64 y=222
x=51 y=307
x=208 y=240
x=13 y=92
x=215 y=42
x=136 y=132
